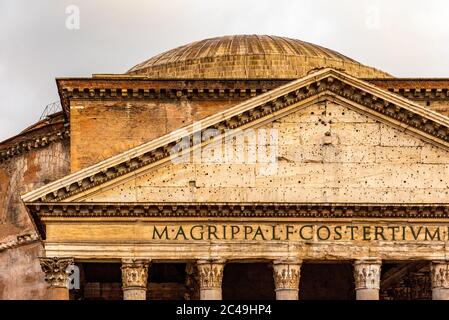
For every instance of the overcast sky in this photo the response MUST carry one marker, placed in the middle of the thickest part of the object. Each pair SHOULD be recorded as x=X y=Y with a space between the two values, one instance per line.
x=39 y=41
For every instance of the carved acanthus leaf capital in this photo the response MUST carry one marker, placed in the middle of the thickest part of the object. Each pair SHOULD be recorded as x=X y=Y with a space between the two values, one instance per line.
x=286 y=275
x=367 y=274
x=440 y=274
x=56 y=271
x=210 y=273
x=135 y=274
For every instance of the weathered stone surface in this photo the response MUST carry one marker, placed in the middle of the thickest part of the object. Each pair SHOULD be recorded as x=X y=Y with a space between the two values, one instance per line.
x=20 y=276
x=25 y=173
x=363 y=161
x=101 y=129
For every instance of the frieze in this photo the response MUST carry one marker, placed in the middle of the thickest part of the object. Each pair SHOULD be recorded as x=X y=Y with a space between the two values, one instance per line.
x=41 y=211
x=261 y=230
x=299 y=231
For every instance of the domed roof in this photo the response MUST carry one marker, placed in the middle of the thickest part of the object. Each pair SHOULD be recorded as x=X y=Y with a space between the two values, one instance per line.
x=249 y=57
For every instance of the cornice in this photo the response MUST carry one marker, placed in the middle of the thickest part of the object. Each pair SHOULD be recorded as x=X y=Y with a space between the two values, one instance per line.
x=422 y=94
x=325 y=82
x=240 y=210
x=18 y=240
x=34 y=143
x=136 y=88
x=434 y=89
x=133 y=93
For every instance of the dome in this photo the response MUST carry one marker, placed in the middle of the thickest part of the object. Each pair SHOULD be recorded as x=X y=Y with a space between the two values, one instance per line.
x=249 y=57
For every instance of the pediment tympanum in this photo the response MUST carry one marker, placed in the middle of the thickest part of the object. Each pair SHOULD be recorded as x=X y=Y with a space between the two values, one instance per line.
x=322 y=153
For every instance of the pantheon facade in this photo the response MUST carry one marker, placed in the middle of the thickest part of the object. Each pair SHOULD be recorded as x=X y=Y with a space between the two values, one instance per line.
x=236 y=167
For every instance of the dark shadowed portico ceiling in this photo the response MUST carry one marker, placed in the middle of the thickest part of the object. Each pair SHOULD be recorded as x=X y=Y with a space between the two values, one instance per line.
x=249 y=57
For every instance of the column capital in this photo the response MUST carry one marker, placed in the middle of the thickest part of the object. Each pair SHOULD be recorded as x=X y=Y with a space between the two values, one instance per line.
x=56 y=271
x=286 y=274
x=440 y=274
x=210 y=273
x=367 y=273
x=134 y=273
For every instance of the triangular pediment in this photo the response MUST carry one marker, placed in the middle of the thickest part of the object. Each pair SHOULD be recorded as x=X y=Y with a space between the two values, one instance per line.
x=326 y=152
x=385 y=113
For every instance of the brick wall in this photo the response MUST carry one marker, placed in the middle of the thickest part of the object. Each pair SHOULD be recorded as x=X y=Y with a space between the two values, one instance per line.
x=101 y=129
x=20 y=273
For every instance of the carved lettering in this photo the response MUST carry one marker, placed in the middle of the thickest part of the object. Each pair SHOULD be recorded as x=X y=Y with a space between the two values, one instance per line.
x=299 y=232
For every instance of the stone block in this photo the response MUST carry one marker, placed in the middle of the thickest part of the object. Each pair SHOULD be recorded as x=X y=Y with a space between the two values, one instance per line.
x=398 y=155
x=342 y=114
x=303 y=153
x=220 y=194
x=171 y=175
x=390 y=136
x=356 y=134
x=337 y=153
x=225 y=175
x=309 y=114
x=433 y=154
x=165 y=194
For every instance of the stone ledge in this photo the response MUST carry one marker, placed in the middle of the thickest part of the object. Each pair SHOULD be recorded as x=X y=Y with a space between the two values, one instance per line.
x=248 y=210
x=39 y=142
x=18 y=240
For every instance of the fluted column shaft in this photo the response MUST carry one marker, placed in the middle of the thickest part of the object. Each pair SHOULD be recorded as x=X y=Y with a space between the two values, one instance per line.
x=367 y=279
x=286 y=276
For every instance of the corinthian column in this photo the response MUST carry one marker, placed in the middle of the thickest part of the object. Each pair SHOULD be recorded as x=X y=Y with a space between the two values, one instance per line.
x=440 y=280
x=134 y=279
x=286 y=276
x=57 y=276
x=367 y=279
x=210 y=275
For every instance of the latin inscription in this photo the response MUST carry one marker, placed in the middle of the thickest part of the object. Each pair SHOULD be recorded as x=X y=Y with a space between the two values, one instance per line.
x=299 y=232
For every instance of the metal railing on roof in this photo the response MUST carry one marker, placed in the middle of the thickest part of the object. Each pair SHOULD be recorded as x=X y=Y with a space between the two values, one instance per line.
x=50 y=109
